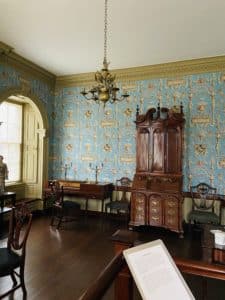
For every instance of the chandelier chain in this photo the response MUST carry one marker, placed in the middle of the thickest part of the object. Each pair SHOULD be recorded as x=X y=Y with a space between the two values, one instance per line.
x=105 y=89
x=105 y=30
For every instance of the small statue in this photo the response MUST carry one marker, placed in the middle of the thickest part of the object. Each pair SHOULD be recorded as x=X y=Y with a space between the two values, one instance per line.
x=3 y=174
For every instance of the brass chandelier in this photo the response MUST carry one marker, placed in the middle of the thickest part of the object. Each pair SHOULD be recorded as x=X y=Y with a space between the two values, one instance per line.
x=105 y=90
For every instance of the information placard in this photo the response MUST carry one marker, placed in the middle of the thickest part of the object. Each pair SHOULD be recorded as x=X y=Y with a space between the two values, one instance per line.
x=155 y=273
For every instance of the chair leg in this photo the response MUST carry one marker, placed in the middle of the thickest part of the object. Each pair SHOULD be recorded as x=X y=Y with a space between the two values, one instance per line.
x=53 y=217
x=13 y=277
x=60 y=221
x=23 y=283
x=204 y=288
x=52 y=221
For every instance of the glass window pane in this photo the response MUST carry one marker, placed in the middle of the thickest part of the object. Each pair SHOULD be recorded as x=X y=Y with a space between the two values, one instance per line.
x=11 y=138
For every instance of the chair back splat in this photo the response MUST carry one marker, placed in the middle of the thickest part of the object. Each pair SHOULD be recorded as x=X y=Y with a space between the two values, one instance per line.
x=12 y=257
x=203 y=205
x=63 y=210
x=121 y=205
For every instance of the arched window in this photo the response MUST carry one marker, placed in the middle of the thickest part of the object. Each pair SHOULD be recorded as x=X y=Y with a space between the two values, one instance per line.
x=11 y=138
x=24 y=145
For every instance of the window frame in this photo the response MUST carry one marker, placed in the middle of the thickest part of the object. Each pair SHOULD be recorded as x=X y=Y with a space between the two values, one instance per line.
x=21 y=145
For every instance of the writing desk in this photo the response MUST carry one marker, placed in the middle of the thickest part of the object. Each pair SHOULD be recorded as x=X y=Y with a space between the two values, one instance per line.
x=5 y=196
x=188 y=254
x=87 y=190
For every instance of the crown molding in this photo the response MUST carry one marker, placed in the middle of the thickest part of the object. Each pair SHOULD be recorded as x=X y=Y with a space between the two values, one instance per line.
x=27 y=68
x=173 y=69
x=5 y=49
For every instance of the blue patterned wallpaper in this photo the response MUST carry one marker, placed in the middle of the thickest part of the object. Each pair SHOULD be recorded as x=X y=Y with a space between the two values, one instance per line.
x=11 y=79
x=8 y=77
x=87 y=133
x=83 y=132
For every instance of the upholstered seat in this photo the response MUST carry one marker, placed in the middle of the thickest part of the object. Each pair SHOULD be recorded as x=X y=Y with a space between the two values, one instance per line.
x=120 y=205
x=204 y=217
x=9 y=261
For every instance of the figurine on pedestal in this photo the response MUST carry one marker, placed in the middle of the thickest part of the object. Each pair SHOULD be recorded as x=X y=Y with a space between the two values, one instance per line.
x=3 y=174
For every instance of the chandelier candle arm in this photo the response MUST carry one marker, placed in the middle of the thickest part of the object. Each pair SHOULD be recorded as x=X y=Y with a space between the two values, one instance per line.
x=105 y=90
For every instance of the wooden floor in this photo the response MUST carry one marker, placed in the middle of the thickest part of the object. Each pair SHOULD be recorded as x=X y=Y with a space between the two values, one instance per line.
x=61 y=264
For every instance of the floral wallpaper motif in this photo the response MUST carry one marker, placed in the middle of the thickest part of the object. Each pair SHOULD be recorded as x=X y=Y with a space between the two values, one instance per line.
x=8 y=77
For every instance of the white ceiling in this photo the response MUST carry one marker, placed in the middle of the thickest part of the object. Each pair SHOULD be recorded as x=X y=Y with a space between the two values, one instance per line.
x=66 y=36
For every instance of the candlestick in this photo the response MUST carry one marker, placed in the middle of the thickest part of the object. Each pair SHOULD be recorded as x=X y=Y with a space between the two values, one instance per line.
x=97 y=170
x=66 y=167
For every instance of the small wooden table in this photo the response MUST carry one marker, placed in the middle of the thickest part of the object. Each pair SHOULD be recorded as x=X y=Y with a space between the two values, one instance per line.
x=5 y=196
x=3 y=210
x=87 y=191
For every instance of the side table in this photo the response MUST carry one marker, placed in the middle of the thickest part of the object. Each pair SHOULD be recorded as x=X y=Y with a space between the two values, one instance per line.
x=3 y=210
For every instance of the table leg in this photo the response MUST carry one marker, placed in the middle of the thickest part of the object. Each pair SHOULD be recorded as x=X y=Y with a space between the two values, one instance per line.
x=14 y=200
x=204 y=288
x=1 y=223
x=103 y=206
x=86 y=206
x=2 y=202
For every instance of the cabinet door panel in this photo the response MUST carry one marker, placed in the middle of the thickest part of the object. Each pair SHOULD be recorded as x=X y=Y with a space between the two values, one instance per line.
x=158 y=150
x=172 y=150
x=143 y=145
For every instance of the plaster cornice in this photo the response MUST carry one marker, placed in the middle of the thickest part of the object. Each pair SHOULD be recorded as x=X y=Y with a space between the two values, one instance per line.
x=174 y=69
x=27 y=68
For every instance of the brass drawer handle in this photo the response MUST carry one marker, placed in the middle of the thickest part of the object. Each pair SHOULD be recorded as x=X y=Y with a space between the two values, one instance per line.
x=154 y=202
x=155 y=218
x=154 y=210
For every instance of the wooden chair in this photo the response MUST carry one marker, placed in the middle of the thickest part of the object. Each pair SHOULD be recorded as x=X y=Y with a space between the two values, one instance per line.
x=120 y=205
x=12 y=257
x=63 y=211
x=49 y=194
x=203 y=205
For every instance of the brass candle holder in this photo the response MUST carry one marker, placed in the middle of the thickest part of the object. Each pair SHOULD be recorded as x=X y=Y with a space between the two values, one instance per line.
x=97 y=170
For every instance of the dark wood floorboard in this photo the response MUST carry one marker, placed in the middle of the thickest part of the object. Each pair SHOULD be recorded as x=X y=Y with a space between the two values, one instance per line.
x=61 y=264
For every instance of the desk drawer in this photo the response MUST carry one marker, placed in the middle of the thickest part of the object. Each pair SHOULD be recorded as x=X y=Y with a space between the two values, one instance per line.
x=93 y=188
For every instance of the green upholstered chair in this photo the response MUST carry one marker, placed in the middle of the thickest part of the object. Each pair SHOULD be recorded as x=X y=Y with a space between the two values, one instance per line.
x=203 y=205
x=120 y=205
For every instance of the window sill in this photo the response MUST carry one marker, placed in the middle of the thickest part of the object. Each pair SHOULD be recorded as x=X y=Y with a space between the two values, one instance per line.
x=14 y=183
